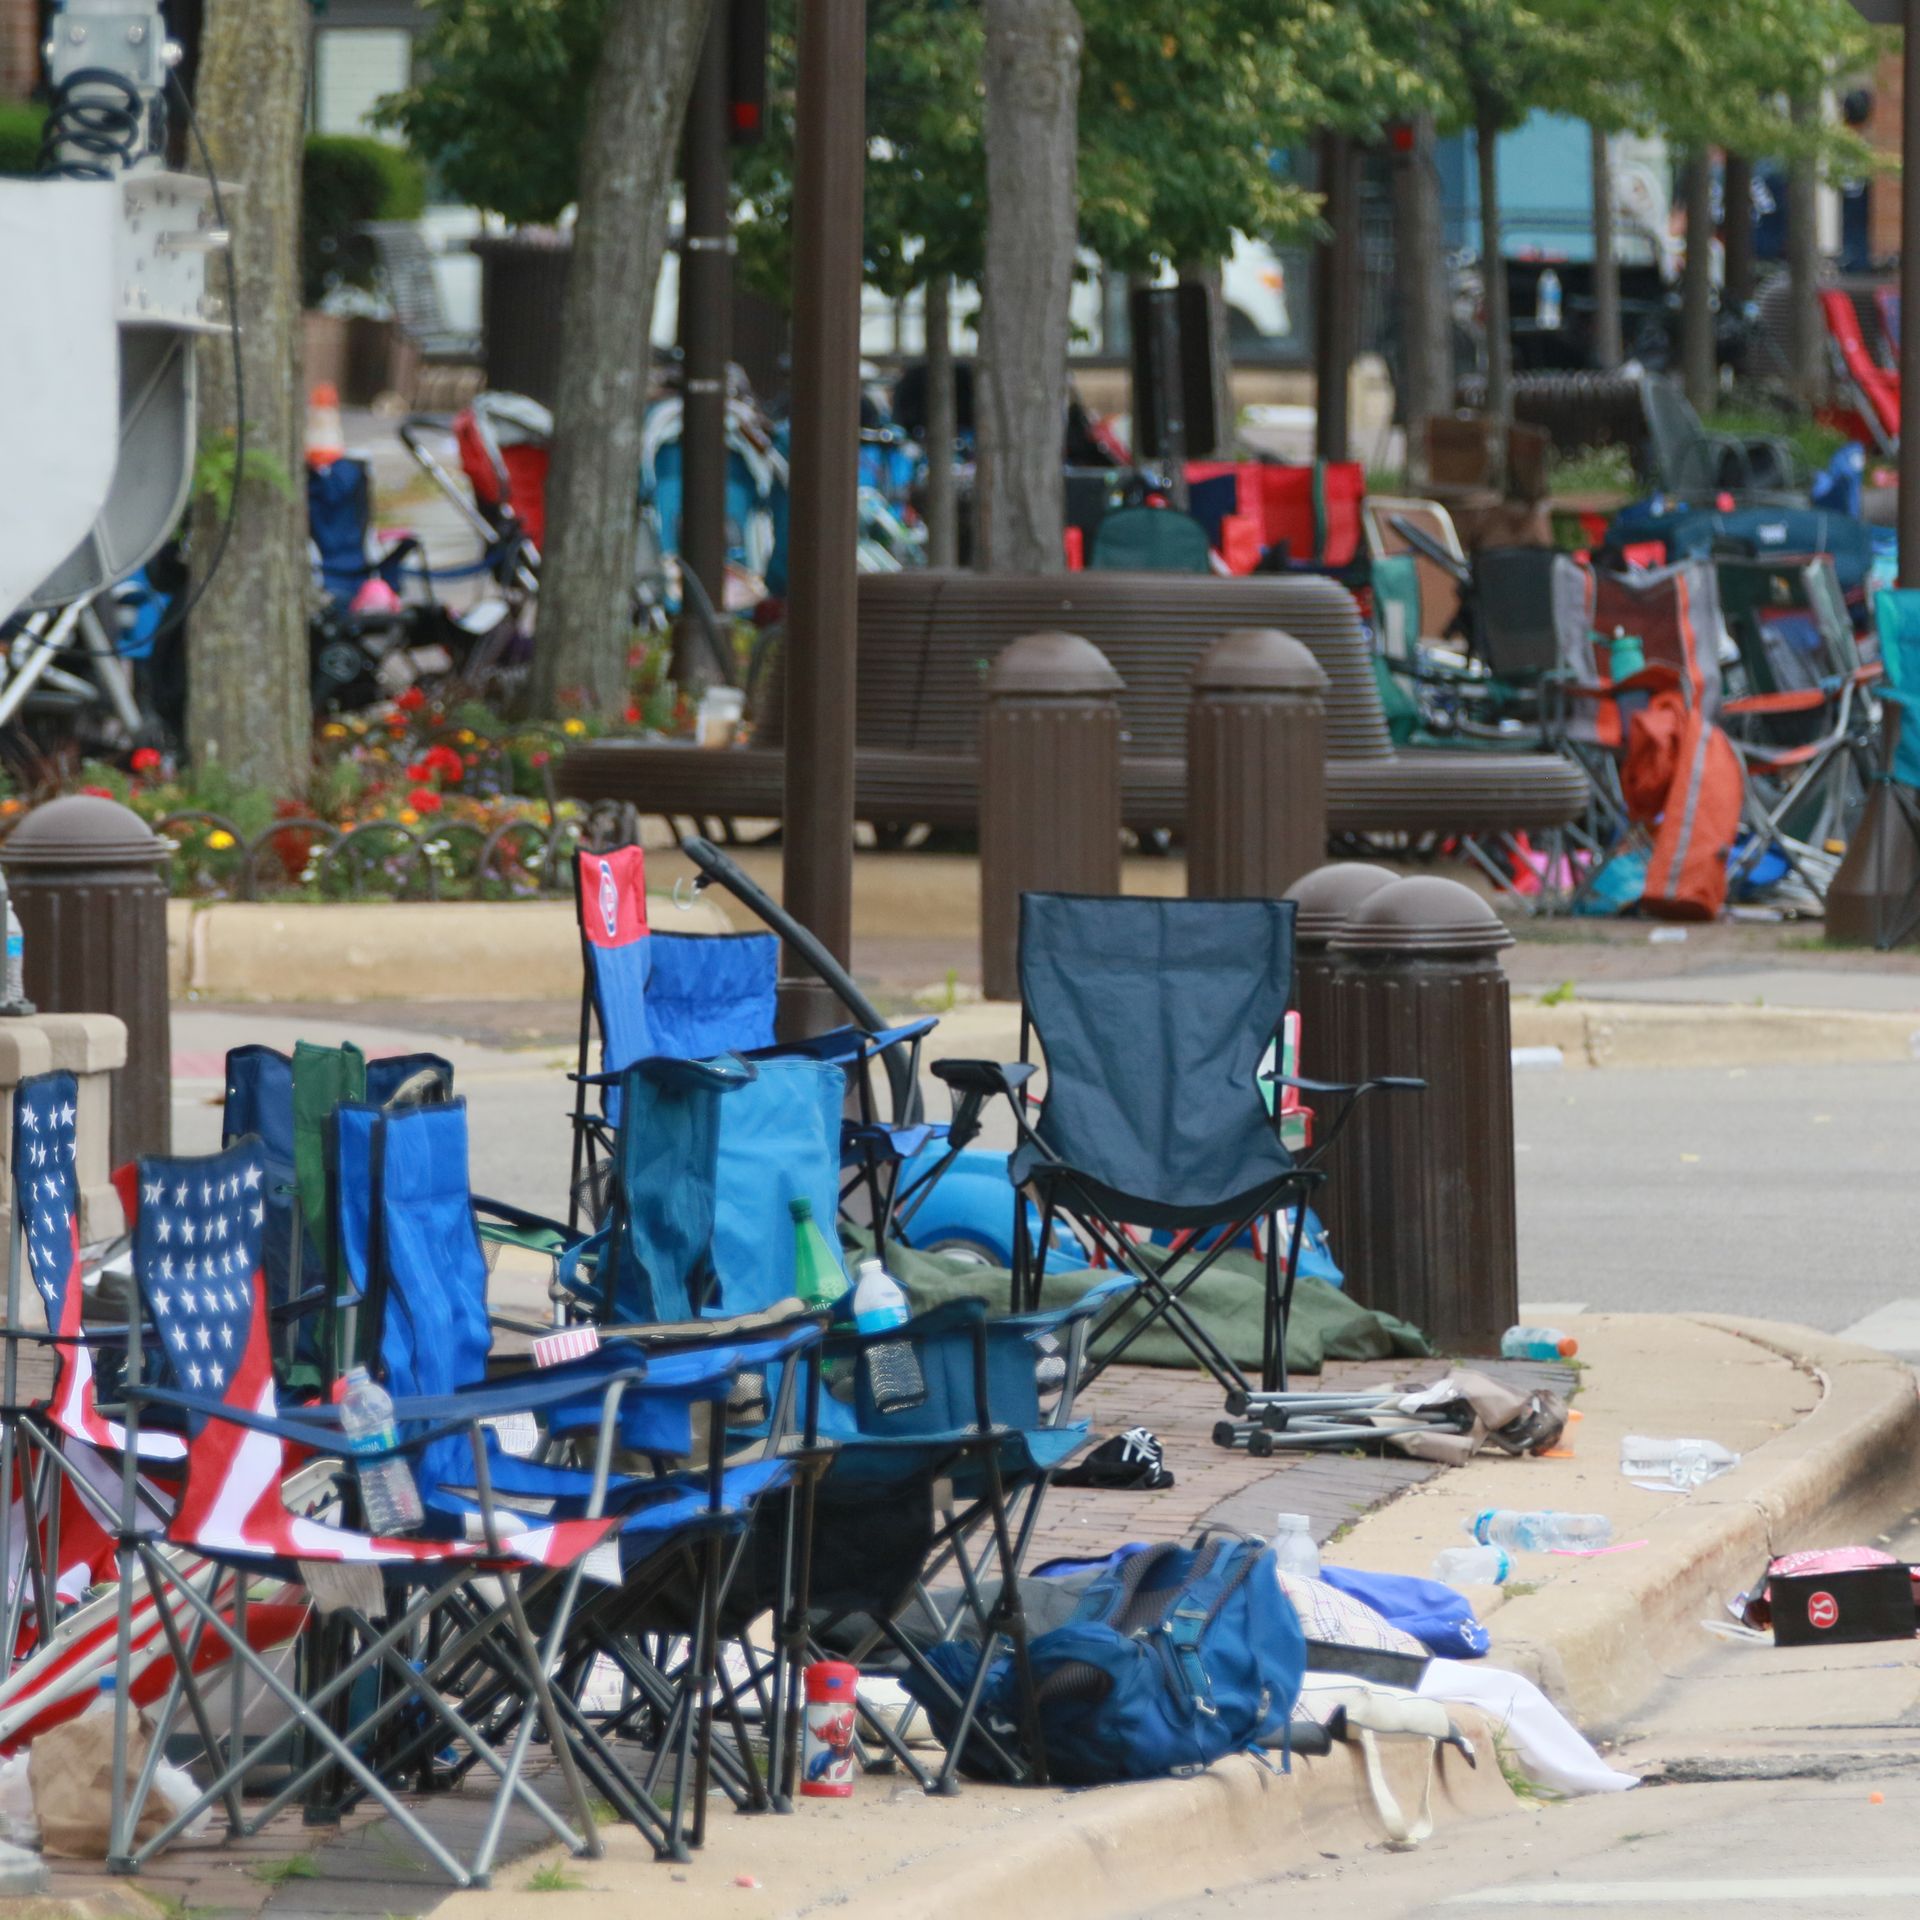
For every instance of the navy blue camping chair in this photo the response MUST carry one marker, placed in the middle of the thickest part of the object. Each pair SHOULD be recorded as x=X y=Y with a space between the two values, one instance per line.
x=1159 y=1020
x=709 y=1156
x=694 y=996
x=411 y=1246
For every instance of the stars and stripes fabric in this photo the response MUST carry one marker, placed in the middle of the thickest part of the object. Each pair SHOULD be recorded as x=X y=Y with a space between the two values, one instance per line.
x=197 y=1260
x=47 y=1199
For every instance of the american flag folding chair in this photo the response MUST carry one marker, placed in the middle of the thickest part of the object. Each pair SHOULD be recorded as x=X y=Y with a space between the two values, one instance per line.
x=407 y=1232
x=680 y=996
x=202 y=1300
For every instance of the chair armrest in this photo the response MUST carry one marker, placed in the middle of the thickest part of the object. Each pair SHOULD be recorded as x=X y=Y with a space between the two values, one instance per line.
x=1793 y=700
x=984 y=1077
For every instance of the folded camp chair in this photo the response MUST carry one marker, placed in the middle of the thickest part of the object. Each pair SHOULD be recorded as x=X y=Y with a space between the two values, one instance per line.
x=201 y=1292
x=1800 y=715
x=407 y=1229
x=692 y=996
x=1895 y=779
x=1155 y=1017
x=709 y=1157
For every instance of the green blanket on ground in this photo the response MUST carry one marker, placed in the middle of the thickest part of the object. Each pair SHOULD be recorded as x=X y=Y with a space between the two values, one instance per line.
x=1228 y=1300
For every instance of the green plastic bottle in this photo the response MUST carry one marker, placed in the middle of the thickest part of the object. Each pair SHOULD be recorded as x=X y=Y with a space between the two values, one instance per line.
x=817 y=1277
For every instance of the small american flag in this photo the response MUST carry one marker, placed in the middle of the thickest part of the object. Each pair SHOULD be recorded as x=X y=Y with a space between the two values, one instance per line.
x=46 y=1194
x=571 y=1343
x=197 y=1259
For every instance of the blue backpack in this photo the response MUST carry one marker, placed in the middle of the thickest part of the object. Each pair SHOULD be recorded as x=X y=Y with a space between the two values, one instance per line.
x=1174 y=1658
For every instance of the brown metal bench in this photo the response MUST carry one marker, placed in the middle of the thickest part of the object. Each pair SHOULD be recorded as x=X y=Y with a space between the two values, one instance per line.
x=925 y=641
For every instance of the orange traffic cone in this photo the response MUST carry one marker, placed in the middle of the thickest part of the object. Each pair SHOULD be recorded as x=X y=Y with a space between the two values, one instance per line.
x=326 y=441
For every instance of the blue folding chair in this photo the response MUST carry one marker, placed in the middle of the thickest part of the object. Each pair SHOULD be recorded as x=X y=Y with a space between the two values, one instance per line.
x=408 y=1232
x=708 y=1156
x=693 y=996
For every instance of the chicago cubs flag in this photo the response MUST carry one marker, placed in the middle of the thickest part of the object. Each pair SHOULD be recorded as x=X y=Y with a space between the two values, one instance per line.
x=197 y=1258
x=46 y=1192
x=616 y=940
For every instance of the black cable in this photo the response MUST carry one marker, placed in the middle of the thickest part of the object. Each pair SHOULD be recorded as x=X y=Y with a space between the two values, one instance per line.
x=108 y=124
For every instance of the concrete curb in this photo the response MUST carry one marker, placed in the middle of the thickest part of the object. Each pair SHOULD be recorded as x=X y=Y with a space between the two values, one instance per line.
x=1633 y=1033
x=1603 y=1639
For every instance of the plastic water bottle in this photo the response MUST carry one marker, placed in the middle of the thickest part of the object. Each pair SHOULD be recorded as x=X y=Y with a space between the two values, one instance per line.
x=1546 y=302
x=1537 y=1343
x=388 y=1496
x=817 y=1278
x=16 y=975
x=1540 y=1531
x=1681 y=1463
x=893 y=1369
x=1471 y=1567
x=1293 y=1546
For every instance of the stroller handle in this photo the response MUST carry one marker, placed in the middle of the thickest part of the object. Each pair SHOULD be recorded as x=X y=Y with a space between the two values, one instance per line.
x=716 y=869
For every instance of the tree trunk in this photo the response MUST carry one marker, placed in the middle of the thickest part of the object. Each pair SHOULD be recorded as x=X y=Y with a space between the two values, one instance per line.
x=248 y=697
x=647 y=58
x=1426 y=312
x=1032 y=137
x=1697 y=361
x=1226 y=430
x=1493 y=271
x=1608 y=347
x=943 y=532
x=1737 y=226
x=1804 y=354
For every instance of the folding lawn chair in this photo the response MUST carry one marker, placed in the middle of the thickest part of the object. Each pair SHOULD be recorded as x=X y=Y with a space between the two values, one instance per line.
x=1896 y=772
x=1155 y=1018
x=201 y=1288
x=411 y=1251
x=691 y=996
x=1150 y=540
x=709 y=1157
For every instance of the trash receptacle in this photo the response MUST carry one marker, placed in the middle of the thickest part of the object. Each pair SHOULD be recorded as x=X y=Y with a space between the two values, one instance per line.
x=1324 y=901
x=1256 y=766
x=85 y=875
x=1049 y=788
x=1421 y=1186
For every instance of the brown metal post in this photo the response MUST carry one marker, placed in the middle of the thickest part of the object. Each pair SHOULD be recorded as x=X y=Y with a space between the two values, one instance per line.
x=84 y=873
x=706 y=326
x=1049 y=788
x=1337 y=269
x=1256 y=766
x=1421 y=1191
x=1910 y=295
x=829 y=173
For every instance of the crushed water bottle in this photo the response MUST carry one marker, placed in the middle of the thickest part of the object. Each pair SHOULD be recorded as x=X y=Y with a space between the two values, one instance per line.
x=1679 y=1463
x=389 y=1499
x=1541 y=1530
x=1293 y=1547
x=1537 y=1343
x=893 y=1371
x=1471 y=1567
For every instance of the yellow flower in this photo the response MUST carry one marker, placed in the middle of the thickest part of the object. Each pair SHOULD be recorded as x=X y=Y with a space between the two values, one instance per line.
x=219 y=839
x=333 y=730
x=408 y=818
x=464 y=736
x=575 y=727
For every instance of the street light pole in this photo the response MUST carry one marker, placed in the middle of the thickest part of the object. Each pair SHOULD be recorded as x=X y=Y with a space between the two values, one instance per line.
x=828 y=188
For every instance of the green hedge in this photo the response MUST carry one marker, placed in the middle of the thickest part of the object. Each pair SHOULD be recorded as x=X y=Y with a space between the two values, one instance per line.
x=346 y=181
x=19 y=137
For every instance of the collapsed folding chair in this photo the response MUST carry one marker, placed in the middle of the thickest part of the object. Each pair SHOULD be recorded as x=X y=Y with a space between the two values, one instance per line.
x=408 y=1235
x=1158 y=1020
x=948 y=1440
x=692 y=996
x=201 y=1291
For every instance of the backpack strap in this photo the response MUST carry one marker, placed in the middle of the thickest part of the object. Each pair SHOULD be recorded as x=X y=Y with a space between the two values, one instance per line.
x=1220 y=1568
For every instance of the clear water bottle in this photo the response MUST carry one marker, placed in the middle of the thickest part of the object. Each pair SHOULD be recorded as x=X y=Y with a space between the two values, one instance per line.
x=1680 y=1463
x=1471 y=1567
x=1547 y=302
x=16 y=975
x=1541 y=1530
x=893 y=1368
x=1537 y=1343
x=388 y=1496
x=1293 y=1546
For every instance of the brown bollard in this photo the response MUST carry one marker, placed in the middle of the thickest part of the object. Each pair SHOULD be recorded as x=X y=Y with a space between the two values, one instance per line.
x=1049 y=788
x=1256 y=766
x=1324 y=901
x=1421 y=1191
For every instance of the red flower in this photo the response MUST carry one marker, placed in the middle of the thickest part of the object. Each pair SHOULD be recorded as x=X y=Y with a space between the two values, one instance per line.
x=444 y=761
x=419 y=771
x=99 y=793
x=145 y=759
x=631 y=716
x=424 y=800
x=411 y=701
x=540 y=759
